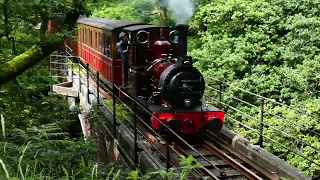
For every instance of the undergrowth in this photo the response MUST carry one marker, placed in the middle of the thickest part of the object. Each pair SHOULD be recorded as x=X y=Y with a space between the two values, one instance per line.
x=46 y=152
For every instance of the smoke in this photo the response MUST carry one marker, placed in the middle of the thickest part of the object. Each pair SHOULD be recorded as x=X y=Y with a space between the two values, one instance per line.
x=182 y=9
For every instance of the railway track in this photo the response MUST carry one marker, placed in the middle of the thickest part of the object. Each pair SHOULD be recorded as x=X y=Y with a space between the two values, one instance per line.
x=224 y=161
x=218 y=160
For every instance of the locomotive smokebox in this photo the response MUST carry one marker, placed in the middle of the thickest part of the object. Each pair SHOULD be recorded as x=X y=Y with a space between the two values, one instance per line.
x=182 y=39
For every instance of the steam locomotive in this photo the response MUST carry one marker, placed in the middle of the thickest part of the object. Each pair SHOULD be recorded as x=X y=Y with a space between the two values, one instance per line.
x=161 y=75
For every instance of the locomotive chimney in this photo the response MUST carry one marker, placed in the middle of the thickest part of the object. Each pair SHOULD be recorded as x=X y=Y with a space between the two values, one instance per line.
x=182 y=39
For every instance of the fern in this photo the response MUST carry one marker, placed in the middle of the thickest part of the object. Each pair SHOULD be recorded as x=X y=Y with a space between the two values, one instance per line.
x=48 y=131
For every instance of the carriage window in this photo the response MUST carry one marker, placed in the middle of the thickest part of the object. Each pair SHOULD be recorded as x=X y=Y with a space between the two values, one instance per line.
x=84 y=36
x=83 y=31
x=102 y=42
x=87 y=38
x=90 y=38
x=96 y=40
x=107 y=45
x=99 y=42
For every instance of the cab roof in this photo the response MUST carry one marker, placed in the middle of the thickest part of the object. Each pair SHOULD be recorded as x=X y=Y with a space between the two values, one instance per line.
x=144 y=27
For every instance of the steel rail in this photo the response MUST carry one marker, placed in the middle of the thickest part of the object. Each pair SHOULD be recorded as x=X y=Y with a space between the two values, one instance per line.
x=161 y=147
x=225 y=146
x=203 y=170
x=146 y=133
x=232 y=162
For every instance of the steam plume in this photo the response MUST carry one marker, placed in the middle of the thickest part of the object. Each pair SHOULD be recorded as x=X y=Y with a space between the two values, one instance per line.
x=182 y=9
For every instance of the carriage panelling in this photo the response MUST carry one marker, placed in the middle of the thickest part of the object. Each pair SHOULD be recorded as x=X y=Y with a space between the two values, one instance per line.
x=105 y=57
x=94 y=44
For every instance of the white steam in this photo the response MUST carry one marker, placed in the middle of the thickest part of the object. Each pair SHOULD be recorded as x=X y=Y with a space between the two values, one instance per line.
x=182 y=9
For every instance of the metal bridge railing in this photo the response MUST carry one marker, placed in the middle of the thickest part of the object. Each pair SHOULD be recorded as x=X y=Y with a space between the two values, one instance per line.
x=287 y=132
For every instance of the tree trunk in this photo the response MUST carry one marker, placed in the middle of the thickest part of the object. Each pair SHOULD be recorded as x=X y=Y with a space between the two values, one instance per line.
x=35 y=54
x=163 y=13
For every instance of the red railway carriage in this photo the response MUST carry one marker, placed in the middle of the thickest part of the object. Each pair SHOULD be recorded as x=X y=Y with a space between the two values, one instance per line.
x=96 y=45
x=161 y=75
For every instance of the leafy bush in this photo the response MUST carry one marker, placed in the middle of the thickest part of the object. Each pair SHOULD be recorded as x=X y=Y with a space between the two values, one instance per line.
x=136 y=10
x=245 y=39
x=270 y=48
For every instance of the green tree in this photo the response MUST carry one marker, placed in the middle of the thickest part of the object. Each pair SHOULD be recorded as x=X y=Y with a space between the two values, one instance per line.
x=240 y=40
x=29 y=13
x=269 y=47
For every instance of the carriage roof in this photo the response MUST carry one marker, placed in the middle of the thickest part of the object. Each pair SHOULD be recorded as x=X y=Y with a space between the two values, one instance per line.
x=107 y=24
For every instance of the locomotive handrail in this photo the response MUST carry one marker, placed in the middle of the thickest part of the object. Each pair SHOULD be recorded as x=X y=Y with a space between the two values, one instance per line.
x=155 y=62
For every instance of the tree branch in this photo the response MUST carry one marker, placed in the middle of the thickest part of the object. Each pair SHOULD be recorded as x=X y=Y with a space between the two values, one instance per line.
x=36 y=53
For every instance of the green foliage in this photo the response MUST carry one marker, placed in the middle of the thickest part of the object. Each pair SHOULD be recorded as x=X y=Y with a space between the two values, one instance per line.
x=148 y=11
x=123 y=111
x=137 y=10
x=270 y=48
x=270 y=39
x=187 y=165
